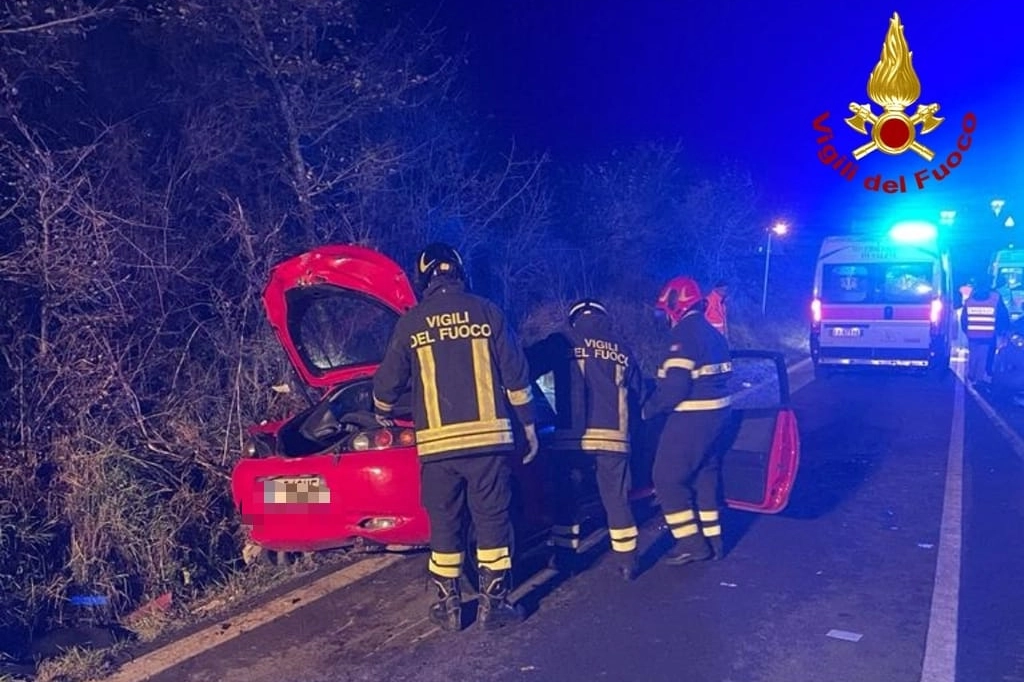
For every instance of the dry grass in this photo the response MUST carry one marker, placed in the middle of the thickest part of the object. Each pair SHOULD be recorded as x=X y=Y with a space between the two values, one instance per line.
x=73 y=666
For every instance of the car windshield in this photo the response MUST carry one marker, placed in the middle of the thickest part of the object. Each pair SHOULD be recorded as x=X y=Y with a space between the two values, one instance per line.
x=889 y=283
x=335 y=328
x=1010 y=277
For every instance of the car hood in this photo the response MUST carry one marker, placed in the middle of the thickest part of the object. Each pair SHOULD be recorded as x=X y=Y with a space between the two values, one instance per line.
x=333 y=309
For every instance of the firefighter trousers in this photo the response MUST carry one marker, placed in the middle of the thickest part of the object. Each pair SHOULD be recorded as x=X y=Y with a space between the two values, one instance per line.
x=688 y=473
x=481 y=483
x=611 y=472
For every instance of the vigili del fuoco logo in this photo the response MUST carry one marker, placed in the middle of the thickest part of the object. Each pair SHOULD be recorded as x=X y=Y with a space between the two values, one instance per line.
x=893 y=86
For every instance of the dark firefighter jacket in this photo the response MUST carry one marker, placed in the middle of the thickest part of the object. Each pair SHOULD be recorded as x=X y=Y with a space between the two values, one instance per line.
x=597 y=386
x=466 y=370
x=695 y=373
x=985 y=316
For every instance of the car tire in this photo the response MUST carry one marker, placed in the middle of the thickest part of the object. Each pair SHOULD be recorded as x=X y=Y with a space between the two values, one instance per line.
x=823 y=373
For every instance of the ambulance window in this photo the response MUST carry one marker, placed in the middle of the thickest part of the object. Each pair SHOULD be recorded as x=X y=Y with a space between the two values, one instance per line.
x=845 y=284
x=909 y=283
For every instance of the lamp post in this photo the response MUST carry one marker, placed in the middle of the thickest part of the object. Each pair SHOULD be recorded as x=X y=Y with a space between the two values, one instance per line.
x=778 y=229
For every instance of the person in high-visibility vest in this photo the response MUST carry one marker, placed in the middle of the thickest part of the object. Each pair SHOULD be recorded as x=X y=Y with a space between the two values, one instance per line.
x=715 y=312
x=985 y=318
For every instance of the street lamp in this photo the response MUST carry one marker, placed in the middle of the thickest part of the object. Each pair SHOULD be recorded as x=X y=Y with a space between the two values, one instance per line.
x=778 y=230
x=1009 y=221
x=947 y=217
x=996 y=206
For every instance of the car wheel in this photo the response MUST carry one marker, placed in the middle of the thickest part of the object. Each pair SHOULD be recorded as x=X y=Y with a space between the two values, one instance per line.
x=823 y=373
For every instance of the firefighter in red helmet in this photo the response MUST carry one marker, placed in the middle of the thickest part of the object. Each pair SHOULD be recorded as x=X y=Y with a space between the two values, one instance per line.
x=692 y=390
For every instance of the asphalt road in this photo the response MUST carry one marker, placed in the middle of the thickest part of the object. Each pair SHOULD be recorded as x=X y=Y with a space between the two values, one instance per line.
x=889 y=489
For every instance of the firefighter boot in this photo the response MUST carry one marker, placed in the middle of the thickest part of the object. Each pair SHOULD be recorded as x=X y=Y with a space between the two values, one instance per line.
x=688 y=550
x=627 y=565
x=446 y=612
x=494 y=610
x=717 y=548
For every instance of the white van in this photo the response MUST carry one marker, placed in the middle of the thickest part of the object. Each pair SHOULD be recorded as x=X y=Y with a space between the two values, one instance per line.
x=883 y=301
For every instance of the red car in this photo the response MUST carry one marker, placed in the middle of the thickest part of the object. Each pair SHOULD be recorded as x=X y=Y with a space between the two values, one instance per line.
x=331 y=477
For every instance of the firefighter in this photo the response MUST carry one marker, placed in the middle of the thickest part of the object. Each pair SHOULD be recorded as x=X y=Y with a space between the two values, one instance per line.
x=693 y=391
x=985 y=319
x=597 y=386
x=470 y=383
x=716 y=311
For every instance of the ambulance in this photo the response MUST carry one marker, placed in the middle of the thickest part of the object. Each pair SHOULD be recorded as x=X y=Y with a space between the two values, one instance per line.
x=883 y=301
x=1008 y=279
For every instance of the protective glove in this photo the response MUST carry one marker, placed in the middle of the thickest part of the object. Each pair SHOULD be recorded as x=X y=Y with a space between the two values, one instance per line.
x=384 y=421
x=534 y=444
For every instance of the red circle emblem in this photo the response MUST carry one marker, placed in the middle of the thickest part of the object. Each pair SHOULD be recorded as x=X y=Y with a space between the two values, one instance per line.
x=895 y=133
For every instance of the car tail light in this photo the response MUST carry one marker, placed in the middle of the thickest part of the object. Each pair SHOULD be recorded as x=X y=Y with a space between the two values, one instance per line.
x=816 y=312
x=383 y=439
x=936 y=312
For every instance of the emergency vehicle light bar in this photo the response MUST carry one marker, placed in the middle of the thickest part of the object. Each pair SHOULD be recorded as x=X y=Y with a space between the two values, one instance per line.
x=913 y=232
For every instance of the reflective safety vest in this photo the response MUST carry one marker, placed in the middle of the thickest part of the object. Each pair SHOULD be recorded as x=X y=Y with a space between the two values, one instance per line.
x=981 y=317
x=715 y=313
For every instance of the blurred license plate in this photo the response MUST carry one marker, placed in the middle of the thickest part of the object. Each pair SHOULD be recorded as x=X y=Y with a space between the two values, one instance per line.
x=301 y=490
x=846 y=331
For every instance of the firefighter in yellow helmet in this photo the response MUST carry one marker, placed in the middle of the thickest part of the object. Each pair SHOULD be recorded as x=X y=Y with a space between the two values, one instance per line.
x=470 y=385
x=692 y=390
x=597 y=386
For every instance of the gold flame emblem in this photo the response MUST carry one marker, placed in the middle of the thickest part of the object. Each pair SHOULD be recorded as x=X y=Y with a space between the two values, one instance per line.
x=894 y=86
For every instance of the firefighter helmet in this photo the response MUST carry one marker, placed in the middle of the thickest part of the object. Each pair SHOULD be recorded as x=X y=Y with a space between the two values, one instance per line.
x=438 y=259
x=678 y=297
x=586 y=306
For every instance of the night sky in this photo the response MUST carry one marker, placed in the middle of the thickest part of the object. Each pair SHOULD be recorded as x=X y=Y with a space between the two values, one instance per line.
x=743 y=81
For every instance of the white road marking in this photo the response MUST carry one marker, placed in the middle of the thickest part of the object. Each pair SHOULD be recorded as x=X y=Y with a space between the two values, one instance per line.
x=1007 y=432
x=167 y=657
x=940 y=645
x=844 y=635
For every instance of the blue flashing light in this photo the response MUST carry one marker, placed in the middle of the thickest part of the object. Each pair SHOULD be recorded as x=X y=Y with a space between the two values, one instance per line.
x=913 y=232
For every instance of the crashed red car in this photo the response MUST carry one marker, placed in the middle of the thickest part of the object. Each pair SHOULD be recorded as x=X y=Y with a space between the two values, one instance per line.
x=331 y=477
